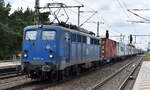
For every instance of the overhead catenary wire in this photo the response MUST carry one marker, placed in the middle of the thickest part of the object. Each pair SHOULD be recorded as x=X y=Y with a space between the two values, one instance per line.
x=87 y=19
x=68 y=8
x=84 y=5
x=138 y=15
x=128 y=16
x=124 y=4
x=109 y=27
x=140 y=9
x=126 y=8
x=73 y=10
x=101 y=17
x=124 y=11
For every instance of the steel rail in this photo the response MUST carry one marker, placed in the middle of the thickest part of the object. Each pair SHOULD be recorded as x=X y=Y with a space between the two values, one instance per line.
x=128 y=77
x=95 y=87
x=10 y=75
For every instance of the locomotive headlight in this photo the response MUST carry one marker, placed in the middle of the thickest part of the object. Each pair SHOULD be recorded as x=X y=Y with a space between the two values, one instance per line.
x=25 y=55
x=51 y=56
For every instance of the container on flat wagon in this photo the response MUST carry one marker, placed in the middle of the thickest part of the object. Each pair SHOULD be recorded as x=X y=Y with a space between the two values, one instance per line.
x=127 y=50
x=109 y=48
x=121 y=49
x=131 y=49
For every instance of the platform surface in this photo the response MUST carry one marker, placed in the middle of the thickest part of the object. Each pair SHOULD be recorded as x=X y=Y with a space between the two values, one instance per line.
x=143 y=79
x=9 y=64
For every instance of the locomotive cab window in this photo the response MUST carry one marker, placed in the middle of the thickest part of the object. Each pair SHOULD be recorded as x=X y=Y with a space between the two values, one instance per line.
x=48 y=35
x=30 y=35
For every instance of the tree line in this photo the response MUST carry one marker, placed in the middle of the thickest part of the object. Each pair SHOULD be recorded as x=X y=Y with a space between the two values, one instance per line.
x=11 y=29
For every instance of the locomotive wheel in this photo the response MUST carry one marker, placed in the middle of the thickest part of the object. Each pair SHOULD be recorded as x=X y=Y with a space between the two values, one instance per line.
x=54 y=76
x=67 y=72
x=61 y=75
x=76 y=70
x=57 y=75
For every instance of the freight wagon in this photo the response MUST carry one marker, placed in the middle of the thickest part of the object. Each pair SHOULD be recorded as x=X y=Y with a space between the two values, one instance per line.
x=109 y=49
x=113 y=51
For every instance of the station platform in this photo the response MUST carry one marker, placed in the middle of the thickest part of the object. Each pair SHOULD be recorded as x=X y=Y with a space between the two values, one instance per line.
x=143 y=79
x=4 y=65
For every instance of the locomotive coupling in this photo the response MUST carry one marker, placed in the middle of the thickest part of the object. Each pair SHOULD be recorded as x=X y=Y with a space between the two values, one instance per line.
x=46 y=68
x=19 y=68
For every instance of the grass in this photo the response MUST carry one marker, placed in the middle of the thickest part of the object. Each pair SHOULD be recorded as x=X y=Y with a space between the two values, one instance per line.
x=147 y=57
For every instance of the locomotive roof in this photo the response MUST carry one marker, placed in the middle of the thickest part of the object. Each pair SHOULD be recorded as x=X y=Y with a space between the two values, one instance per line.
x=81 y=31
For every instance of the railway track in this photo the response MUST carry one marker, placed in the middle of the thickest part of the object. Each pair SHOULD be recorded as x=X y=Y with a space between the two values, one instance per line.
x=5 y=70
x=14 y=84
x=131 y=76
x=83 y=81
x=9 y=72
x=9 y=75
x=109 y=83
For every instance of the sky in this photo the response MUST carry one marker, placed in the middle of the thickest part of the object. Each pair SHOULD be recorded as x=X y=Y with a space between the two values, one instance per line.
x=113 y=13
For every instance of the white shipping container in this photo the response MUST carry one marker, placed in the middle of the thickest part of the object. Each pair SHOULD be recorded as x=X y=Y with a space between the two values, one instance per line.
x=121 y=49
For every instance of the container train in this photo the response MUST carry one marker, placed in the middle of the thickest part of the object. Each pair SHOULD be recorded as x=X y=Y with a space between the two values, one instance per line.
x=112 y=50
x=50 y=51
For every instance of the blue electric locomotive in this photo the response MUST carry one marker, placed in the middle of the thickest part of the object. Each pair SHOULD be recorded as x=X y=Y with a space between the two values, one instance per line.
x=48 y=49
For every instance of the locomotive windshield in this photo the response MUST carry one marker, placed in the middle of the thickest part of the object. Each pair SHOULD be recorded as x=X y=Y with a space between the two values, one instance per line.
x=48 y=35
x=30 y=35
